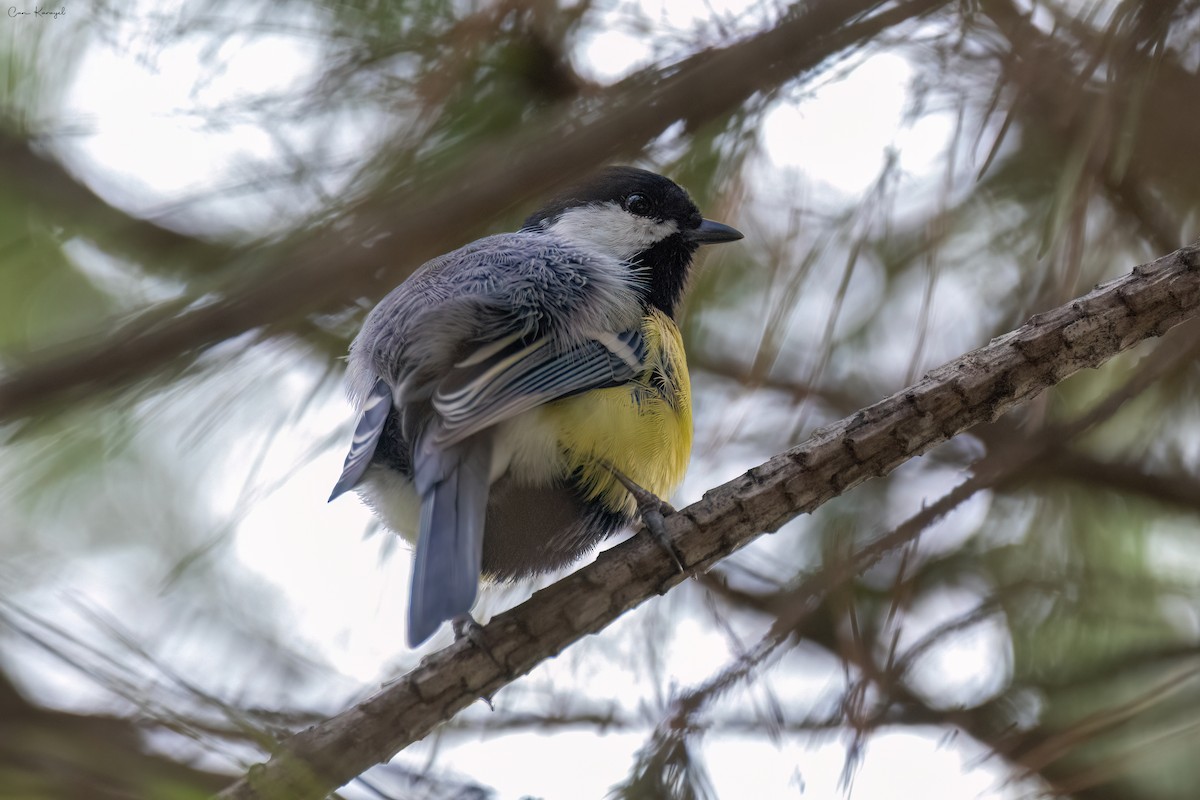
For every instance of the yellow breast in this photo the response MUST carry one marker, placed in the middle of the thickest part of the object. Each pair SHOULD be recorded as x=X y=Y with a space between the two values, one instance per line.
x=643 y=428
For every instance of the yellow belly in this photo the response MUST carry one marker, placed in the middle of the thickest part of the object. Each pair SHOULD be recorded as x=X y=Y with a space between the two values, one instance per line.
x=643 y=428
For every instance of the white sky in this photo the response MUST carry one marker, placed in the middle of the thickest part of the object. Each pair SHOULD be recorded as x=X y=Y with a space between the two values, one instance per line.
x=345 y=602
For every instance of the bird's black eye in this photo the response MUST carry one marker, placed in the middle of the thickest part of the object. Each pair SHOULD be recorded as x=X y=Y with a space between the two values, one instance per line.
x=638 y=204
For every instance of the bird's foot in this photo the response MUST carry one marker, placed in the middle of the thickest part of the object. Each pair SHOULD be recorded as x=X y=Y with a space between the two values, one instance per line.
x=654 y=512
x=465 y=627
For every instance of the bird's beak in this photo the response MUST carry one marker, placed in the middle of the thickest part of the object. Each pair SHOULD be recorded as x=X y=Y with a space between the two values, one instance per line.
x=711 y=232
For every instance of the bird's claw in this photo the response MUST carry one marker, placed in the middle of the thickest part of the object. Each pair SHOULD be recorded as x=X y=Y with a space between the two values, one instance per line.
x=654 y=512
x=465 y=627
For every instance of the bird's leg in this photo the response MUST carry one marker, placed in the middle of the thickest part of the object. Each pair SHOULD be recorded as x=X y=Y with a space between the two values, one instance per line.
x=653 y=511
x=465 y=627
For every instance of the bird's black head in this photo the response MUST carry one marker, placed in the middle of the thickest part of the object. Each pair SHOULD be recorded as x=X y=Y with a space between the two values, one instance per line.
x=638 y=217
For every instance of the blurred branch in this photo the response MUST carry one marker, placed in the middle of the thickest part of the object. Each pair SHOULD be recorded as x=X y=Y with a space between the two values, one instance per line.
x=46 y=753
x=405 y=782
x=1057 y=97
x=990 y=723
x=46 y=183
x=1175 y=489
x=980 y=386
x=746 y=375
x=1031 y=750
x=332 y=266
x=1054 y=747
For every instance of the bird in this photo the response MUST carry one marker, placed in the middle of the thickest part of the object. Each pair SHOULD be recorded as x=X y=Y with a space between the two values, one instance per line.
x=517 y=396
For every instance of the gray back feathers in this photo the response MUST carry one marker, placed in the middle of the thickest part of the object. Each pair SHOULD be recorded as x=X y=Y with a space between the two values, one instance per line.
x=527 y=282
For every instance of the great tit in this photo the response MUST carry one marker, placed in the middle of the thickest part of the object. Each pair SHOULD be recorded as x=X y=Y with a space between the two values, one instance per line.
x=505 y=388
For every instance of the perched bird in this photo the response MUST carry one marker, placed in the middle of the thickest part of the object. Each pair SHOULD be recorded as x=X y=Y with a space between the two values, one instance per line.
x=511 y=390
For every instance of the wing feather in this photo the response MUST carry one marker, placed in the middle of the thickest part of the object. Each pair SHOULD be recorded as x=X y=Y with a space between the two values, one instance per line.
x=366 y=437
x=512 y=381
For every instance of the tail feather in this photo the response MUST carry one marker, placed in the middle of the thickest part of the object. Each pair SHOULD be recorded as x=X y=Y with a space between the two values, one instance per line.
x=453 y=484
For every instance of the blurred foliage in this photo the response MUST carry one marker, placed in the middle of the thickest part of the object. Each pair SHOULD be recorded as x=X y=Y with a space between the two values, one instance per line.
x=1052 y=618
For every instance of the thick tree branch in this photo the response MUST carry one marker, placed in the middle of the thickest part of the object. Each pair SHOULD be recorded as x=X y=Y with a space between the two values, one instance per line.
x=978 y=387
x=331 y=267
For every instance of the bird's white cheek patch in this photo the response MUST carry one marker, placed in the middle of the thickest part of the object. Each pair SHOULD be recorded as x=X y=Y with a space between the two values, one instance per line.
x=612 y=230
